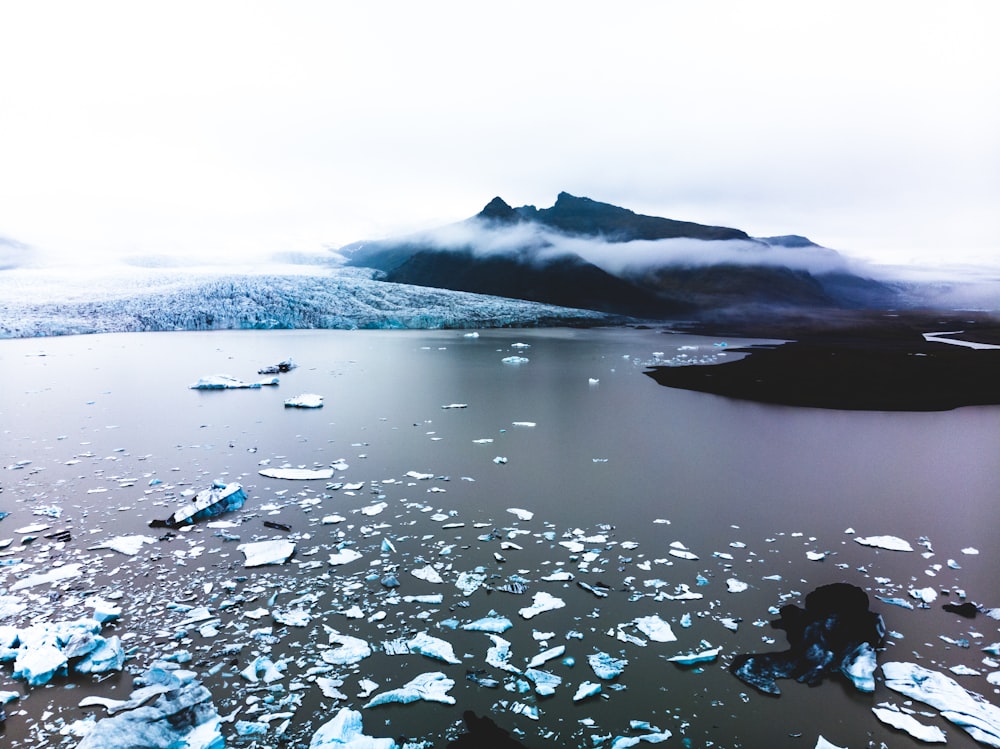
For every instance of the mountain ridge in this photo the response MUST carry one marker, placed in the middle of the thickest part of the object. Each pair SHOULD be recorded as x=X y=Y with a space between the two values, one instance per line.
x=584 y=253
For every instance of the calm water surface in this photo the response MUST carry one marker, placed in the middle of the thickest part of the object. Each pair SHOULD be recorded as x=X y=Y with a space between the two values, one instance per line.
x=105 y=431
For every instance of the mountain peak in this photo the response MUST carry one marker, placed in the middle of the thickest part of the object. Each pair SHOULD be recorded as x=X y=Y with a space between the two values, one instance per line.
x=498 y=210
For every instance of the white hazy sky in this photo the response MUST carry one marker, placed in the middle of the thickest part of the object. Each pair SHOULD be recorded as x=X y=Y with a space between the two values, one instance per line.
x=222 y=128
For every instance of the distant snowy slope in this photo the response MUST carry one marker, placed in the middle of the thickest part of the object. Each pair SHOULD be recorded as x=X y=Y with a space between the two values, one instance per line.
x=44 y=303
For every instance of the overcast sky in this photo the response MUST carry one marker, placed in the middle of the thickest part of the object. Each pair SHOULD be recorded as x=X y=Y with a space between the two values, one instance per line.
x=203 y=128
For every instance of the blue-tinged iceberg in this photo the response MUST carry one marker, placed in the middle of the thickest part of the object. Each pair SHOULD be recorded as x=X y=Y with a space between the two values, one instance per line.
x=218 y=499
x=183 y=716
x=345 y=731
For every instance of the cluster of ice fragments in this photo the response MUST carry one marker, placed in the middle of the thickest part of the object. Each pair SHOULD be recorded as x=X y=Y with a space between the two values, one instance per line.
x=361 y=584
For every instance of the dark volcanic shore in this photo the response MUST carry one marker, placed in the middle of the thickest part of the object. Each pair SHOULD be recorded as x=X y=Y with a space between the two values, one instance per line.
x=877 y=362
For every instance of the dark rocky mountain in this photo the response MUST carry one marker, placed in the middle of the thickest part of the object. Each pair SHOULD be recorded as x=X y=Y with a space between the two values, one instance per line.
x=573 y=254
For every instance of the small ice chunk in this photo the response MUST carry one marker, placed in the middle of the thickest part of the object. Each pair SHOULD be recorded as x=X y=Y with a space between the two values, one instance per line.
x=350 y=650
x=521 y=514
x=586 y=689
x=736 y=586
x=541 y=602
x=545 y=682
x=129 y=545
x=228 y=382
x=305 y=400
x=655 y=628
x=469 y=582
x=822 y=743
x=261 y=553
x=427 y=574
x=297 y=474
x=893 y=716
x=515 y=360
x=605 y=666
x=343 y=556
x=970 y=550
x=891 y=543
x=431 y=687
x=292 y=618
x=345 y=731
x=262 y=665
x=54 y=575
x=498 y=656
x=329 y=688
x=492 y=623
x=433 y=647
x=546 y=656
x=926 y=595
x=701 y=656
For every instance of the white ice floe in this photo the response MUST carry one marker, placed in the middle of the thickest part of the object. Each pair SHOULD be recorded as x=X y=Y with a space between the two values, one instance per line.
x=350 y=650
x=343 y=556
x=228 y=382
x=655 y=628
x=606 y=666
x=546 y=656
x=297 y=474
x=521 y=514
x=427 y=574
x=891 y=543
x=345 y=731
x=736 y=586
x=545 y=682
x=969 y=710
x=181 y=716
x=925 y=595
x=701 y=656
x=586 y=689
x=499 y=655
x=515 y=360
x=470 y=582
x=541 y=602
x=432 y=647
x=56 y=574
x=292 y=618
x=893 y=716
x=305 y=400
x=128 y=545
x=822 y=743
x=492 y=623
x=261 y=553
x=431 y=687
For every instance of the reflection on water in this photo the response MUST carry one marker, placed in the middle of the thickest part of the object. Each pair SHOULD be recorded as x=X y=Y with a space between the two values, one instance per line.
x=101 y=434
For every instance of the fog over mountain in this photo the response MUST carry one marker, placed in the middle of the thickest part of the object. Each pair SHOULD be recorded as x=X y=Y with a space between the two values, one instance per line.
x=581 y=252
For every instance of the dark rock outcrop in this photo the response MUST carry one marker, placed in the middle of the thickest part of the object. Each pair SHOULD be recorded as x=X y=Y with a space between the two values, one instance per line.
x=834 y=633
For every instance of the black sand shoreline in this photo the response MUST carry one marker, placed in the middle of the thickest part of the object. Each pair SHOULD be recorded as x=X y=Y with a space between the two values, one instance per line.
x=854 y=361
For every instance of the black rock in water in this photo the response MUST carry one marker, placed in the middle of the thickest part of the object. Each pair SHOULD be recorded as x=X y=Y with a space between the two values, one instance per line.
x=483 y=733
x=835 y=632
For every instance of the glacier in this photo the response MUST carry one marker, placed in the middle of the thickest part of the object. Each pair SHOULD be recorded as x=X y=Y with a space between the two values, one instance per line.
x=47 y=302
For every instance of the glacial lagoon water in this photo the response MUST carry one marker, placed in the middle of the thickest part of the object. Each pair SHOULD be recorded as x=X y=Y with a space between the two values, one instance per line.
x=101 y=434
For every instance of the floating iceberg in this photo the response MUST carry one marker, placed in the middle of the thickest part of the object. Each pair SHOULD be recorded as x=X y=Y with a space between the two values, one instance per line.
x=893 y=716
x=655 y=628
x=701 y=656
x=297 y=474
x=606 y=666
x=228 y=382
x=431 y=687
x=979 y=718
x=515 y=360
x=286 y=365
x=128 y=545
x=305 y=400
x=350 y=650
x=344 y=556
x=54 y=575
x=432 y=647
x=209 y=503
x=891 y=543
x=345 y=731
x=586 y=689
x=492 y=623
x=262 y=553
x=182 y=716
x=542 y=602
